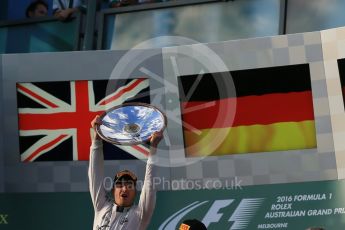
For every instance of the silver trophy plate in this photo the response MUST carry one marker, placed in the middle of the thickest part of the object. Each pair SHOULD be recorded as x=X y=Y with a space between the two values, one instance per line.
x=130 y=124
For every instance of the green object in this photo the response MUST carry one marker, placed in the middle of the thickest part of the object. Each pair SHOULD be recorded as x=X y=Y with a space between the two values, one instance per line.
x=39 y=36
x=282 y=206
x=46 y=211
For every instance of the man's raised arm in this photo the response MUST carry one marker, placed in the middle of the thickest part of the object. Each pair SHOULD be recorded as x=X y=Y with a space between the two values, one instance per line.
x=147 y=199
x=96 y=169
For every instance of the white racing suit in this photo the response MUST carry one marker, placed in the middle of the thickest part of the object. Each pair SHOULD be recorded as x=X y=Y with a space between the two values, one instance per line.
x=106 y=214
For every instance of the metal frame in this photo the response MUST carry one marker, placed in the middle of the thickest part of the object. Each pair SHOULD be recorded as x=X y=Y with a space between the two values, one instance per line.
x=26 y=21
x=78 y=31
x=90 y=25
x=143 y=7
x=283 y=16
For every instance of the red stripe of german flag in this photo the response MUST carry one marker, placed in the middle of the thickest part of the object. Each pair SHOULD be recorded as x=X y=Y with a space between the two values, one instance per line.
x=250 y=110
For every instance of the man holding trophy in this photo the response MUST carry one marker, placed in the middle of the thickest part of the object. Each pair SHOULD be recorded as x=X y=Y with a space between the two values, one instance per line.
x=121 y=213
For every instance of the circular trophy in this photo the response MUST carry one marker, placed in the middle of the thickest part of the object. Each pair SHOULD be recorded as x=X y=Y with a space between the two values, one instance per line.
x=131 y=123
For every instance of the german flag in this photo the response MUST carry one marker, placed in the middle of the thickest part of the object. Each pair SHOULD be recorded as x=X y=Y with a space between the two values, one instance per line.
x=256 y=110
x=341 y=66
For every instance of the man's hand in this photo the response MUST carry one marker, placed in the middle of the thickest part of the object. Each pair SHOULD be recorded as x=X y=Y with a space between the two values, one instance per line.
x=96 y=120
x=154 y=141
x=62 y=15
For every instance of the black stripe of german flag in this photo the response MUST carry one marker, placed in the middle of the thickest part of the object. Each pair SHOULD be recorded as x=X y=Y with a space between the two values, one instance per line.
x=215 y=86
x=341 y=67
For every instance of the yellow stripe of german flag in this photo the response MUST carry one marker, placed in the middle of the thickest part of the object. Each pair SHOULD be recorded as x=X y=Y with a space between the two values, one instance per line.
x=254 y=138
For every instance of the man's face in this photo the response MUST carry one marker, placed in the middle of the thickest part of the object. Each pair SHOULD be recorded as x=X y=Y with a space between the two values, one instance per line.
x=124 y=193
x=40 y=11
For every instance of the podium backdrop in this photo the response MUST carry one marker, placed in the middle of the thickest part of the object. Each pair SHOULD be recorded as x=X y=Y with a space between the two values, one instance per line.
x=297 y=137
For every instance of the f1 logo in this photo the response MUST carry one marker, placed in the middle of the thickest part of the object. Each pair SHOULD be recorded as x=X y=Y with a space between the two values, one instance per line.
x=3 y=219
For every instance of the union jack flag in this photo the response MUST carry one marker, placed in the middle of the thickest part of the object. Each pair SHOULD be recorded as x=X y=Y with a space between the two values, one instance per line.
x=54 y=117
